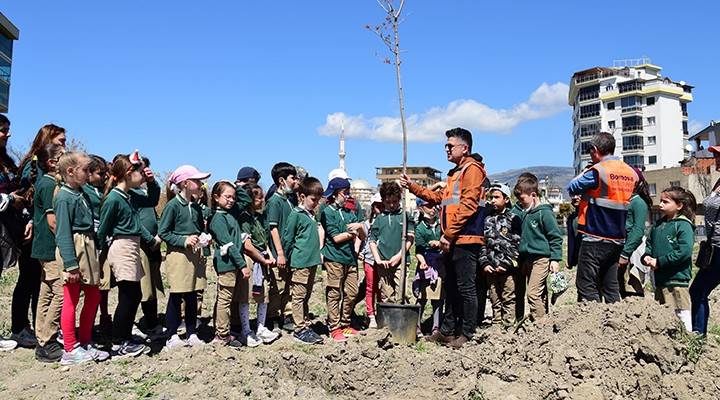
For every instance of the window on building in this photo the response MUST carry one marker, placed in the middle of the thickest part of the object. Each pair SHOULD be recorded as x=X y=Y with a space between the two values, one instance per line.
x=633 y=123
x=685 y=127
x=652 y=160
x=650 y=101
x=651 y=121
x=590 y=110
x=675 y=183
x=652 y=189
x=652 y=140
x=611 y=124
x=584 y=148
x=636 y=161
x=633 y=142
x=611 y=105
x=609 y=87
x=631 y=101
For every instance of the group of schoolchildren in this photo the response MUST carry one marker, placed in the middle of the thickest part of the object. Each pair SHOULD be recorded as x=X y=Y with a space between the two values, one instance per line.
x=95 y=227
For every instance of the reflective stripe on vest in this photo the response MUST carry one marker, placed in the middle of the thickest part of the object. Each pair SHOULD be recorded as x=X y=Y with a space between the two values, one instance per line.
x=451 y=203
x=603 y=210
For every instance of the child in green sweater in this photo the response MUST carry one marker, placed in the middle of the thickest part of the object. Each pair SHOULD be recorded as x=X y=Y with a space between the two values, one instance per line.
x=43 y=249
x=301 y=245
x=386 y=242
x=341 y=227
x=669 y=248
x=540 y=250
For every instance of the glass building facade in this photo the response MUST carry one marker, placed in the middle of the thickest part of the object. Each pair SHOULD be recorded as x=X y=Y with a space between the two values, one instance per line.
x=8 y=34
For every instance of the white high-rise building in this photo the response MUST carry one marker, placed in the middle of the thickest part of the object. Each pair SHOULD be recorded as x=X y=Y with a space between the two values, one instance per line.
x=646 y=112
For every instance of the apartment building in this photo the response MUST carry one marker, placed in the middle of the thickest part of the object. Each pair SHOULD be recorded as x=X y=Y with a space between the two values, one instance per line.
x=646 y=112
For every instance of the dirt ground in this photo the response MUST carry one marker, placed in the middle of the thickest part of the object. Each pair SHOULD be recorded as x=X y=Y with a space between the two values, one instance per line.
x=634 y=349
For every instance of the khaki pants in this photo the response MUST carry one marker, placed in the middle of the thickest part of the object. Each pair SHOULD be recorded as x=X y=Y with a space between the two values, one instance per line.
x=280 y=292
x=677 y=297
x=342 y=287
x=389 y=283
x=226 y=293
x=301 y=285
x=50 y=300
x=502 y=297
x=533 y=282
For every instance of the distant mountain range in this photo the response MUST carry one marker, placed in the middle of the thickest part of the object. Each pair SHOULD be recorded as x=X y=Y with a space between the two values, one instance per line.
x=557 y=176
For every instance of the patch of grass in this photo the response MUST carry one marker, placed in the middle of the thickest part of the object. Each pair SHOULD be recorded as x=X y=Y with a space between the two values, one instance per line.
x=420 y=347
x=694 y=344
x=305 y=348
x=88 y=388
x=714 y=329
x=261 y=362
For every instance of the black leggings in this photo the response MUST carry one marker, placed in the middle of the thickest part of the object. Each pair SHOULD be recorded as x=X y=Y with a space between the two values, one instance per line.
x=172 y=314
x=27 y=290
x=150 y=311
x=129 y=296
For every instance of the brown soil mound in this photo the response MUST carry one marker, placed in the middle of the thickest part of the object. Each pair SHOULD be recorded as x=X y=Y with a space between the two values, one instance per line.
x=634 y=349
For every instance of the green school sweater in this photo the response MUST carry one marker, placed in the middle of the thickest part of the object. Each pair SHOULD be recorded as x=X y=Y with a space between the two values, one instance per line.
x=118 y=216
x=386 y=233
x=671 y=242
x=179 y=220
x=43 y=244
x=73 y=214
x=424 y=234
x=301 y=239
x=145 y=201
x=277 y=210
x=540 y=234
x=518 y=210
x=225 y=229
x=254 y=225
x=334 y=221
x=95 y=195
x=635 y=225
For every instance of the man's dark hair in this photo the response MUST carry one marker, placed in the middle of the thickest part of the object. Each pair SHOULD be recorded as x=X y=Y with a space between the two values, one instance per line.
x=389 y=189
x=282 y=170
x=311 y=186
x=462 y=135
x=604 y=142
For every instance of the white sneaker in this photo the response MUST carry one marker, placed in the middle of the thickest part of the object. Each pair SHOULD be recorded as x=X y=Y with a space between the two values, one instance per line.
x=138 y=333
x=373 y=323
x=7 y=344
x=175 y=343
x=250 y=340
x=182 y=328
x=266 y=335
x=193 y=341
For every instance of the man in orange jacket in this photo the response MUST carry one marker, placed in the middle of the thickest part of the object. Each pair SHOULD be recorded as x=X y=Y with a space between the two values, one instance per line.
x=461 y=221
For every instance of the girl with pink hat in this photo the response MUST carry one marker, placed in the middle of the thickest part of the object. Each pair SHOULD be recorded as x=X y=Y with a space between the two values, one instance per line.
x=181 y=225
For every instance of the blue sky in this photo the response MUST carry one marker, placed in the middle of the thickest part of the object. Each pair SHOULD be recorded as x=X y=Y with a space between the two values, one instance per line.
x=223 y=84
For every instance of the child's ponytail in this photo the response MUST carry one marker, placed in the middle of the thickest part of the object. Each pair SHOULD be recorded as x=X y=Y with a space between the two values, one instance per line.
x=170 y=190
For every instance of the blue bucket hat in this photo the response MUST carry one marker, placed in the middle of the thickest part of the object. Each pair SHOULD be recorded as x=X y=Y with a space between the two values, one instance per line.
x=335 y=184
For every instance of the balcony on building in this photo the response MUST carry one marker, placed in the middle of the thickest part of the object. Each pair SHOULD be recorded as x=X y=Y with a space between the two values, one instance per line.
x=424 y=176
x=626 y=87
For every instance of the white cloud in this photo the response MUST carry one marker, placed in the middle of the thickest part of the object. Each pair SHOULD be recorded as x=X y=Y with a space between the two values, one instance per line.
x=695 y=126
x=545 y=101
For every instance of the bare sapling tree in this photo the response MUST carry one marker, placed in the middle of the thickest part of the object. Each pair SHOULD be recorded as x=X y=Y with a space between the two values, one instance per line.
x=388 y=32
